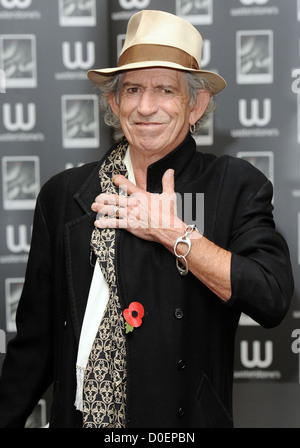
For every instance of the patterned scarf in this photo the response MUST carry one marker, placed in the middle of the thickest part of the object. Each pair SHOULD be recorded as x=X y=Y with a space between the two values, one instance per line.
x=104 y=389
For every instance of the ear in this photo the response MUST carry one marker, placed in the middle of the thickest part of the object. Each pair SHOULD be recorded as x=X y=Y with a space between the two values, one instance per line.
x=200 y=106
x=113 y=104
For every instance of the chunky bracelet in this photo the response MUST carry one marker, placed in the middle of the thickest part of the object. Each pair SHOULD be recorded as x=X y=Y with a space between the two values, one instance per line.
x=184 y=239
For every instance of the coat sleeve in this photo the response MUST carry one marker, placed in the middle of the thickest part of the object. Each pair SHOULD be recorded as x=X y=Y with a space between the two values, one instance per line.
x=27 y=367
x=261 y=272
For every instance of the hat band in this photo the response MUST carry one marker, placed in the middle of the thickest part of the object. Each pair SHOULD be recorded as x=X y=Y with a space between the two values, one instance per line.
x=150 y=52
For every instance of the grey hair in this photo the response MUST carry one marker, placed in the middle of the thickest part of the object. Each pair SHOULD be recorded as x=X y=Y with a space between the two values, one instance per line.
x=112 y=87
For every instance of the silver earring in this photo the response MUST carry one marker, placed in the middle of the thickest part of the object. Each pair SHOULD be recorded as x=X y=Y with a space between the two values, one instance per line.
x=192 y=128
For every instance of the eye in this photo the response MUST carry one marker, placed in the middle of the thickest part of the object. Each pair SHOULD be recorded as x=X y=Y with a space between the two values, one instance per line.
x=165 y=91
x=133 y=90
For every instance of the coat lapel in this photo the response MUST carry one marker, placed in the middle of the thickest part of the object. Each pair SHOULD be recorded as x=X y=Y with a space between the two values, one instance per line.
x=77 y=237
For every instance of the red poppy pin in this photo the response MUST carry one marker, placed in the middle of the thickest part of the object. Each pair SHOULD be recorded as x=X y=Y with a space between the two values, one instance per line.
x=133 y=316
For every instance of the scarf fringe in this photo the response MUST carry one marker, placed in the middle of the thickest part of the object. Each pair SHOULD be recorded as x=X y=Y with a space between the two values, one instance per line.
x=79 y=391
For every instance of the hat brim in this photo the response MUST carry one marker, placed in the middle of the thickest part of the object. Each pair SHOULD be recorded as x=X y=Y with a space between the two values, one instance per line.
x=101 y=75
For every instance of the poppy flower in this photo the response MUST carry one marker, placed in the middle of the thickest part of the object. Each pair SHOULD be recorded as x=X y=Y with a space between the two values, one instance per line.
x=133 y=316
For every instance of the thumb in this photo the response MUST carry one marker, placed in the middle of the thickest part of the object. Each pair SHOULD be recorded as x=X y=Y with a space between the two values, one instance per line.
x=168 y=183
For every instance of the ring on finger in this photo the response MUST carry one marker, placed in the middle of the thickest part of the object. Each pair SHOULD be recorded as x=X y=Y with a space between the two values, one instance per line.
x=116 y=211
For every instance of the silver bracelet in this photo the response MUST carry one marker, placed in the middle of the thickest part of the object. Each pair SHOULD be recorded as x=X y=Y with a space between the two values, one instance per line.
x=184 y=239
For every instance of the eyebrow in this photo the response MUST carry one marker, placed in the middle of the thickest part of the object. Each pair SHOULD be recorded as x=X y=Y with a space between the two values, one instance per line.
x=160 y=86
x=130 y=84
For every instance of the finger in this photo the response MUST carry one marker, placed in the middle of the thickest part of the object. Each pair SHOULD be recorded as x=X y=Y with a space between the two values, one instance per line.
x=105 y=198
x=110 y=199
x=125 y=184
x=110 y=223
x=168 y=182
x=111 y=207
x=106 y=210
x=101 y=208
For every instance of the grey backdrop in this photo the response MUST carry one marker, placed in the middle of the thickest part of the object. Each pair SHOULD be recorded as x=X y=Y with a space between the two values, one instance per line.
x=49 y=121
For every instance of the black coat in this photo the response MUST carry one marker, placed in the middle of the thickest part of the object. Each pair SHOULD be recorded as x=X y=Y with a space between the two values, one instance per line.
x=180 y=361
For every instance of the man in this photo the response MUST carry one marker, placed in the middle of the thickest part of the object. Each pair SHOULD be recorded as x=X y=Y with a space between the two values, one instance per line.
x=139 y=332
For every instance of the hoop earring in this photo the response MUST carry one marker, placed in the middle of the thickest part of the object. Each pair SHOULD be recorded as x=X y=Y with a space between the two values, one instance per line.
x=192 y=128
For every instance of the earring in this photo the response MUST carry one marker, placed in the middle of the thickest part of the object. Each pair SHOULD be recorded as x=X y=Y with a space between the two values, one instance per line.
x=192 y=128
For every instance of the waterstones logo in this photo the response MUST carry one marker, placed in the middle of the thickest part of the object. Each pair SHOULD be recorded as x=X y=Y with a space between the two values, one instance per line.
x=254 y=118
x=254 y=8
x=10 y=4
x=19 y=120
x=130 y=4
x=76 y=58
x=251 y=2
x=18 y=244
x=256 y=360
x=255 y=115
x=18 y=10
x=19 y=123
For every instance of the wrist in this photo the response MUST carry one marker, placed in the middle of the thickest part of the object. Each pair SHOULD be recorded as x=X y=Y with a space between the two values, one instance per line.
x=168 y=235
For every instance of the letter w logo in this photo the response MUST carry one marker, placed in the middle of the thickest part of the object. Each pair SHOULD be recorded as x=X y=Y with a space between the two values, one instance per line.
x=21 y=4
x=19 y=123
x=256 y=360
x=22 y=245
x=254 y=118
x=78 y=61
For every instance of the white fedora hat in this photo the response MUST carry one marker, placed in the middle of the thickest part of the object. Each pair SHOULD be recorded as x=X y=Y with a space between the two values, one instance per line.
x=160 y=39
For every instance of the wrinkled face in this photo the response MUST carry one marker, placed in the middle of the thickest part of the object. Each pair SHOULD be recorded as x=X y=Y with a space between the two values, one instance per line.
x=154 y=109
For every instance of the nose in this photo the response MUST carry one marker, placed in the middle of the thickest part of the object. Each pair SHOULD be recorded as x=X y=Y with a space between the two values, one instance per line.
x=147 y=103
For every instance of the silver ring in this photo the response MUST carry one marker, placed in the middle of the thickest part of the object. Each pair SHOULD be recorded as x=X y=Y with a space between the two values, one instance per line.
x=116 y=210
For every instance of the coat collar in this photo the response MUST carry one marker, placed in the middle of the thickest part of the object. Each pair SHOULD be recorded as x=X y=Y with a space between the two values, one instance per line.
x=181 y=160
x=87 y=193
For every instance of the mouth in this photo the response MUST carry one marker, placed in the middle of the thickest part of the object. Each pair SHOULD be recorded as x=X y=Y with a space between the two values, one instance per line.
x=149 y=124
